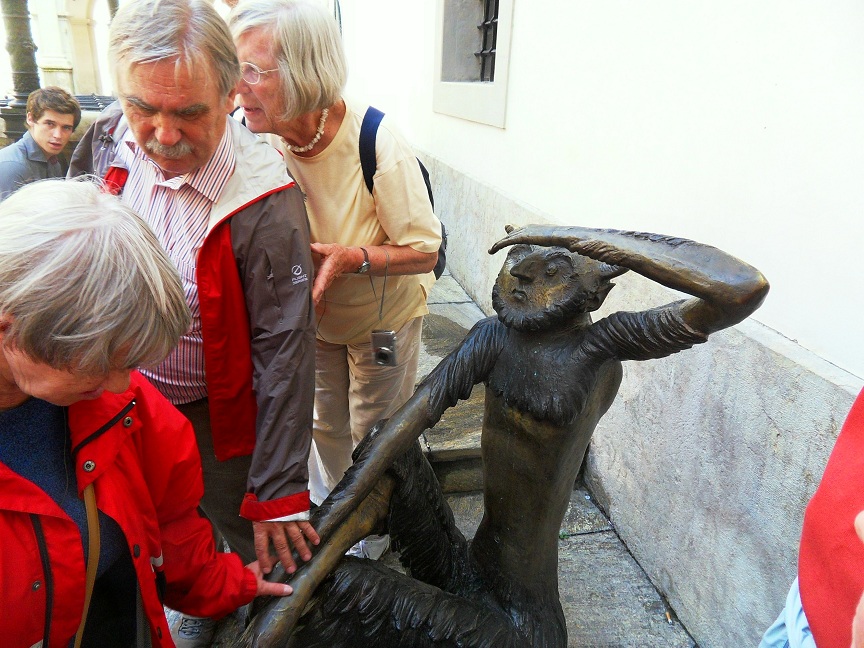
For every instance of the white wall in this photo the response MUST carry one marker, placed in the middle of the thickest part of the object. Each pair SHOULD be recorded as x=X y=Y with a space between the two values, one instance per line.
x=736 y=123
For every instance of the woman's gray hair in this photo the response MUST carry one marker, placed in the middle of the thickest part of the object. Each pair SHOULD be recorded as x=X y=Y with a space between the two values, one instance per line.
x=307 y=46
x=190 y=31
x=83 y=281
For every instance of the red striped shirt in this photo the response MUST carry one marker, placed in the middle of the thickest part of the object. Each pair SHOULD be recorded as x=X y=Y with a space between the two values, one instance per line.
x=178 y=211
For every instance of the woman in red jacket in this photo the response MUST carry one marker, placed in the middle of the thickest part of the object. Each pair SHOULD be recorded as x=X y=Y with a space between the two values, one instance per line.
x=100 y=477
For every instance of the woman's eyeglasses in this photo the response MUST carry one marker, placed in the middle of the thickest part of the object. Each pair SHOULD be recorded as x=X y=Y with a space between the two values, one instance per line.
x=251 y=73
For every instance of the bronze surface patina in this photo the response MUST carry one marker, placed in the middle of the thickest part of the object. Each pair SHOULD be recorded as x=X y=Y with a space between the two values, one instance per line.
x=550 y=374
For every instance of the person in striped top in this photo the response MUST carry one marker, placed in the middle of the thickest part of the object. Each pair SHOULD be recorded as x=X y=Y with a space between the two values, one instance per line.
x=223 y=206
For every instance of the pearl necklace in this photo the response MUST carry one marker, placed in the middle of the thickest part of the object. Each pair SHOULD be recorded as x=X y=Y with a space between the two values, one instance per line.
x=318 y=134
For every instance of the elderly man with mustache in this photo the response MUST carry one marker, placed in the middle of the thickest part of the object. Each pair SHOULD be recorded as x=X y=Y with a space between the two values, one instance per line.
x=235 y=225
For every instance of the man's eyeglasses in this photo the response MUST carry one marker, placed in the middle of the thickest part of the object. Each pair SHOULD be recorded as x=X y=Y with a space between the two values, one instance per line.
x=251 y=73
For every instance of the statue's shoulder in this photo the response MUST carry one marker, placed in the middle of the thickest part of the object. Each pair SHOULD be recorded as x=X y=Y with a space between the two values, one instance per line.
x=487 y=324
x=487 y=331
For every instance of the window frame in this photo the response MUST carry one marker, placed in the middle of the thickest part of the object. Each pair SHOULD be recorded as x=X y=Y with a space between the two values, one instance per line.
x=484 y=102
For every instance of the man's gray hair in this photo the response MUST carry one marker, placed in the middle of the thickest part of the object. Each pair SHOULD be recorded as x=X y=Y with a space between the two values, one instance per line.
x=307 y=46
x=188 y=31
x=84 y=283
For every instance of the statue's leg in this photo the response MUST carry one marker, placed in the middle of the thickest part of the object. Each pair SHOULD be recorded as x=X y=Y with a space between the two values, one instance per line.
x=365 y=604
x=422 y=528
x=408 y=497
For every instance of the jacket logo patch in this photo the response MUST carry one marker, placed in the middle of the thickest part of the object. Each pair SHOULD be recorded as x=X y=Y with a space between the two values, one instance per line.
x=299 y=275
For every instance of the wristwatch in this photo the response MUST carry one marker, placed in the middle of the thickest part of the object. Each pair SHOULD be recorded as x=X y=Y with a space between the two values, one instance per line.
x=364 y=267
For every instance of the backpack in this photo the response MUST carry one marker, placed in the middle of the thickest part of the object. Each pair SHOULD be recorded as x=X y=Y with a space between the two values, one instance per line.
x=368 y=162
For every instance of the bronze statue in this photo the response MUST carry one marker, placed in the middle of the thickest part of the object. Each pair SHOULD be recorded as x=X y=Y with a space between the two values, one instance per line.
x=550 y=374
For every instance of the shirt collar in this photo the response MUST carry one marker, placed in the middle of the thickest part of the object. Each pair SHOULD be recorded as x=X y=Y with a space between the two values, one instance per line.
x=34 y=151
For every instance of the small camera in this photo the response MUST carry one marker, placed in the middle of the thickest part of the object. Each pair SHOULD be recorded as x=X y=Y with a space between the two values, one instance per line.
x=384 y=348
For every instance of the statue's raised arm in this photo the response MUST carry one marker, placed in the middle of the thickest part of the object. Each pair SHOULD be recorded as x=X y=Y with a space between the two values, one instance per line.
x=726 y=289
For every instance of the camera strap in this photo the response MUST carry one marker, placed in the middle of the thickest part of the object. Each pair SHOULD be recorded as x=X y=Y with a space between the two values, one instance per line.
x=383 y=287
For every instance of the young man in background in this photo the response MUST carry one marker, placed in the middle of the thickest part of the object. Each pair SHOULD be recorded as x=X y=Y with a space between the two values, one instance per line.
x=52 y=116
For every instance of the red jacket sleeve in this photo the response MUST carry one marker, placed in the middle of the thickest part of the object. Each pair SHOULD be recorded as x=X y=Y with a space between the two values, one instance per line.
x=831 y=558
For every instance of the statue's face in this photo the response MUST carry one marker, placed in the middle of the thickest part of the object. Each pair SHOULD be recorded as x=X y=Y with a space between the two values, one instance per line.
x=540 y=288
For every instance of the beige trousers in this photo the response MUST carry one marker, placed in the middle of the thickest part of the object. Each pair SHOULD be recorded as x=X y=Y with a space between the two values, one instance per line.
x=352 y=394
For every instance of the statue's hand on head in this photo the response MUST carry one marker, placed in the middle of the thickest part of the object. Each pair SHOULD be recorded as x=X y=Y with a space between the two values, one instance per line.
x=571 y=237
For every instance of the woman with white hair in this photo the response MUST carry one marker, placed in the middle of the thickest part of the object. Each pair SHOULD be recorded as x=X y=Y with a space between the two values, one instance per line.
x=375 y=244
x=100 y=476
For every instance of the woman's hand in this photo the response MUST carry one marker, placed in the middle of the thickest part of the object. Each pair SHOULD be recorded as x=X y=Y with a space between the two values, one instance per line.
x=266 y=588
x=332 y=261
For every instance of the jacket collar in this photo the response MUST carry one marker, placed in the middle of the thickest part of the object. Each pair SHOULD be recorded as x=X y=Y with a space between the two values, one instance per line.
x=98 y=430
x=34 y=152
x=89 y=416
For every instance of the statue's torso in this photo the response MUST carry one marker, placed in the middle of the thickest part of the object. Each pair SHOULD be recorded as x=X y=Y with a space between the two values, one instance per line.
x=543 y=401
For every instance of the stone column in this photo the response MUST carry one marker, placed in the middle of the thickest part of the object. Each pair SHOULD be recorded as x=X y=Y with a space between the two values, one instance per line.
x=22 y=56
x=49 y=25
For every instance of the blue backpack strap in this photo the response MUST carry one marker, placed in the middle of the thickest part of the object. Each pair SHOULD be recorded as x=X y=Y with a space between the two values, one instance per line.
x=369 y=164
x=425 y=173
x=368 y=133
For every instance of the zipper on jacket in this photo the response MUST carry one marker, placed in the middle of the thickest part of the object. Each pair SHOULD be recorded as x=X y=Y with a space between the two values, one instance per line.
x=49 y=577
x=102 y=430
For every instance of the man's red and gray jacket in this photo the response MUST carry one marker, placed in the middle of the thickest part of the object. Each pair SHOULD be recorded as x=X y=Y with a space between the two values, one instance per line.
x=254 y=274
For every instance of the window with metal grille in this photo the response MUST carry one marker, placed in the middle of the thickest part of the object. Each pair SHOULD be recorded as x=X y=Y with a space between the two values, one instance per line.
x=473 y=52
x=488 y=36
